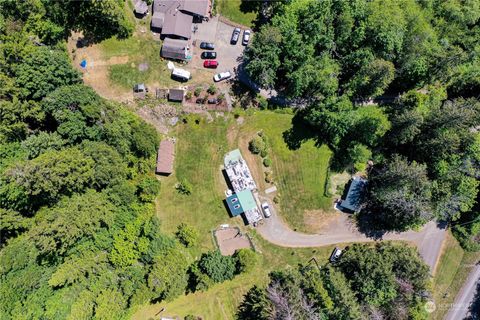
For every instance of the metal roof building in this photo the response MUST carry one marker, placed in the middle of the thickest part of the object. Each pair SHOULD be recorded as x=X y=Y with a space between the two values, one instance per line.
x=355 y=194
x=241 y=202
x=175 y=49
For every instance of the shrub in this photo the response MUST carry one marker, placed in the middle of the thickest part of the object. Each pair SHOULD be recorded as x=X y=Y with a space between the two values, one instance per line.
x=276 y=199
x=219 y=268
x=268 y=177
x=262 y=102
x=267 y=162
x=263 y=153
x=148 y=188
x=212 y=89
x=221 y=97
x=246 y=260
x=197 y=91
x=256 y=145
x=187 y=235
x=188 y=95
x=184 y=187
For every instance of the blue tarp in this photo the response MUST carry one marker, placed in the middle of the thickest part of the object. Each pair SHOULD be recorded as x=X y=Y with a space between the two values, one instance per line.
x=83 y=63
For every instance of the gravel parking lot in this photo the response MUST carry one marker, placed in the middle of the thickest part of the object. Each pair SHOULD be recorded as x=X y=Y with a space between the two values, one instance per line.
x=228 y=56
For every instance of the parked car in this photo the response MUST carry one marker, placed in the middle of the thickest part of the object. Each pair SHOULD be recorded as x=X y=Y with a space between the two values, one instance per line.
x=246 y=37
x=335 y=254
x=235 y=36
x=210 y=64
x=222 y=76
x=207 y=46
x=266 y=210
x=200 y=101
x=213 y=101
x=209 y=55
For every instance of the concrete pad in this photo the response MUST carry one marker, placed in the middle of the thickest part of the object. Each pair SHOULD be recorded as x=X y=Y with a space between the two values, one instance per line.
x=271 y=190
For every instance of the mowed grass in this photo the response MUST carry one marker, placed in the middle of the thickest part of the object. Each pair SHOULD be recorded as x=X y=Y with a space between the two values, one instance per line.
x=299 y=175
x=199 y=154
x=200 y=149
x=140 y=49
x=452 y=271
x=236 y=12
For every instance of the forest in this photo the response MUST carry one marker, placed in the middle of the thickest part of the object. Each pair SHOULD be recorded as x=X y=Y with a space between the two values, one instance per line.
x=420 y=62
x=382 y=282
x=79 y=235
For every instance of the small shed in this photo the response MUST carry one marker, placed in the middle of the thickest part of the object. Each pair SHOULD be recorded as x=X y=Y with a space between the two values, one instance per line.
x=355 y=195
x=141 y=8
x=139 y=91
x=175 y=95
x=165 y=157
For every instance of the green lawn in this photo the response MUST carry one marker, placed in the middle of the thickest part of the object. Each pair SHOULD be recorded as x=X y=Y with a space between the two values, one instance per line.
x=140 y=49
x=232 y=10
x=299 y=174
x=199 y=154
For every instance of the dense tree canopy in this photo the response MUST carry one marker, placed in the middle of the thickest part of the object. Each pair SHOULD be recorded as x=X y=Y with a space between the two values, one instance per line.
x=384 y=281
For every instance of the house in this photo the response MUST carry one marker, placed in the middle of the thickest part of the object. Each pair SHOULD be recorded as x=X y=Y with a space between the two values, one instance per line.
x=243 y=184
x=175 y=95
x=140 y=8
x=243 y=202
x=355 y=195
x=175 y=17
x=165 y=157
x=175 y=49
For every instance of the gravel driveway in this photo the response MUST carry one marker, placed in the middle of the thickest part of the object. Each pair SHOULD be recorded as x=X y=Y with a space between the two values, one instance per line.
x=429 y=239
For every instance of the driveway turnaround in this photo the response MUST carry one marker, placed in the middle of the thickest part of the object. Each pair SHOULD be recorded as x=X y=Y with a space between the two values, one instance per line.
x=429 y=239
x=460 y=307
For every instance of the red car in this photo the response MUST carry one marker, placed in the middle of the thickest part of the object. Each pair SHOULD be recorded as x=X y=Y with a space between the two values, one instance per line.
x=210 y=64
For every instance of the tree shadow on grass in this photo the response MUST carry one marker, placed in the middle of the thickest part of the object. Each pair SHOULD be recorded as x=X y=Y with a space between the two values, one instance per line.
x=299 y=133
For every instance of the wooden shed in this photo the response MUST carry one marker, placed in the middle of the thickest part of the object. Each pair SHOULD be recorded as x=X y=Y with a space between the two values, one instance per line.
x=165 y=157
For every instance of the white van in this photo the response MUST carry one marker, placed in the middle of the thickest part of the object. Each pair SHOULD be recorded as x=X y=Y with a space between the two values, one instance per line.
x=180 y=74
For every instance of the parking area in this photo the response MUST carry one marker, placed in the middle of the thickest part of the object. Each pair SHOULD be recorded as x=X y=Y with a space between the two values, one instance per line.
x=228 y=55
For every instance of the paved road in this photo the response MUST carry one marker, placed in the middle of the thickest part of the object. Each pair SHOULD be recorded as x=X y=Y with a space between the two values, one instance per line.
x=465 y=296
x=429 y=239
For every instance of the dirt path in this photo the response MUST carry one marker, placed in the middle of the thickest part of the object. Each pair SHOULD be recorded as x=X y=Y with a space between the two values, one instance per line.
x=343 y=230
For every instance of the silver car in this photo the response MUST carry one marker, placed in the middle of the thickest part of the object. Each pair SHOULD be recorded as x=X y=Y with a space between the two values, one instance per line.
x=266 y=210
x=246 y=37
x=235 y=36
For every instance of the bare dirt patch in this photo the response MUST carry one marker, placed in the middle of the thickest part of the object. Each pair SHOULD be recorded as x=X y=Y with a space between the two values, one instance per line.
x=231 y=239
x=161 y=117
x=317 y=220
x=95 y=74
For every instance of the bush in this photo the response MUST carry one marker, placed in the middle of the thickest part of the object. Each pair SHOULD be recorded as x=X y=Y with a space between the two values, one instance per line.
x=184 y=187
x=197 y=91
x=262 y=102
x=212 y=89
x=256 y=145
x=263 y=153
x=246 y=260
x=267 y=162
x=268 y=177
x=221 y=97
x=188 y=95
x=187 y=235
x=148 y=188
x=276 y=199
x=219 y=268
